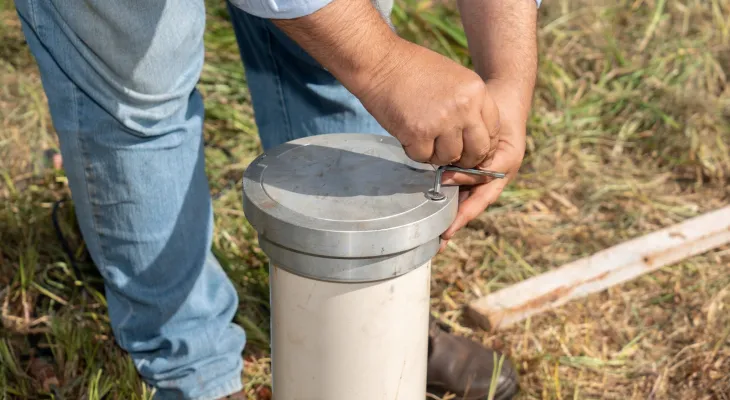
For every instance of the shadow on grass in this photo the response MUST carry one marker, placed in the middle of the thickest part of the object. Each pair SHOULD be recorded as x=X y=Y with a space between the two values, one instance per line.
x=48 y=312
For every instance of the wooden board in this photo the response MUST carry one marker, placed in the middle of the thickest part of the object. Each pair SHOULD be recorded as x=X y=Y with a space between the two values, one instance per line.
x=602 y=270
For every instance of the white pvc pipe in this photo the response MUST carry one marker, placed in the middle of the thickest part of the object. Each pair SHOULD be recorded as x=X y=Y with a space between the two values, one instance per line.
x=349 y=341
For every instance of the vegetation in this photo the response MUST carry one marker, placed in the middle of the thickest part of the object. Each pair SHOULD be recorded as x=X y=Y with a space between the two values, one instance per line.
x=630 y=133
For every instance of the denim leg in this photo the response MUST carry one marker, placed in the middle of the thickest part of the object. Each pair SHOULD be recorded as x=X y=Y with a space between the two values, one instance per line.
x=120 y=81
x=292 y=95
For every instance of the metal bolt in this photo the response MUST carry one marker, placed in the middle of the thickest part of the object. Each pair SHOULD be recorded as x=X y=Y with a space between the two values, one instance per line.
x=435 y=196
x=435 y=193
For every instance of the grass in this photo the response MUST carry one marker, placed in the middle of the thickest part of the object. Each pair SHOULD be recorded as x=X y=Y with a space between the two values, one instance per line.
x=630 y=133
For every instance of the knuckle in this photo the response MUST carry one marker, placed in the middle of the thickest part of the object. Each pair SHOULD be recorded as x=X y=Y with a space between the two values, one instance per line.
x=470 y=99
x=443 y=114
x=475 y=87
x=463 y=103
x=420 y=128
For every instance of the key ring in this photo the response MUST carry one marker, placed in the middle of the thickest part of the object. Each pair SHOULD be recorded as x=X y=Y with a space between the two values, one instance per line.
x=435 y=193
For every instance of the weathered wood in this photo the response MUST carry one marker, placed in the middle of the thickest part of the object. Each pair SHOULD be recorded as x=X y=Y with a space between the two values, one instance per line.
x=602 y=270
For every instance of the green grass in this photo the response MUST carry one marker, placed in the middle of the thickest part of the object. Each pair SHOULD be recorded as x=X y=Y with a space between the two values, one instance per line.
x=629 y=133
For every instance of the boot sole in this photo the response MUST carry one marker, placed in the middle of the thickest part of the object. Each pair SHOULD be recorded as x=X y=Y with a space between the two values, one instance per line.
x=507 y=391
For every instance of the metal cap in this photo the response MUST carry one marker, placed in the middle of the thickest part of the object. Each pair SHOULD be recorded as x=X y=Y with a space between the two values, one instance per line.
x=350 y=196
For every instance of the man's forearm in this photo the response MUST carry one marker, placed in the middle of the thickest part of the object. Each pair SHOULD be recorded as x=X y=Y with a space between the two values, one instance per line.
x=503 y=43
x=348 y=37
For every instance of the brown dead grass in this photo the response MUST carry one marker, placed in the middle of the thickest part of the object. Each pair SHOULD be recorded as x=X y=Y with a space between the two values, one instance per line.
x=630 y=134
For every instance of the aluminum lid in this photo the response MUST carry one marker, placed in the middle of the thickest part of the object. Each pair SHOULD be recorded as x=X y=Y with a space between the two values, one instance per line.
x=345 y=196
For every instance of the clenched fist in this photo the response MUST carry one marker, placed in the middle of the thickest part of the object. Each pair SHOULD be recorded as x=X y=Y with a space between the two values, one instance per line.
x=440 y=111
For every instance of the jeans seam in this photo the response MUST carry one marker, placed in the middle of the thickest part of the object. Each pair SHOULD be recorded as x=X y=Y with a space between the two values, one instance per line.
x=279 y=86
x=34 y=17
x=88 y=181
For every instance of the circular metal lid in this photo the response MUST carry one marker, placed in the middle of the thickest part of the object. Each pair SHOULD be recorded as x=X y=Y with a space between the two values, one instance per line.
x=345 y=195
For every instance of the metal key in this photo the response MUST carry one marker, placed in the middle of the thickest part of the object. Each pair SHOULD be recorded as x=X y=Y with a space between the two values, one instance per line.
x=436 y=194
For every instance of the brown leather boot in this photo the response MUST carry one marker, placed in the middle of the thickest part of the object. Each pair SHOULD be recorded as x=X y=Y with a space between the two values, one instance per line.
x=462 y=367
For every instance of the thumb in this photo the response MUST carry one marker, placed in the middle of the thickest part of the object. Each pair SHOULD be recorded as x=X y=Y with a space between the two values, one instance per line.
x=482 y=196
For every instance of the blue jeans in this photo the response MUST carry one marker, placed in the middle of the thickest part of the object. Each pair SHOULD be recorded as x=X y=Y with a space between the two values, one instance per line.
x=120 y=80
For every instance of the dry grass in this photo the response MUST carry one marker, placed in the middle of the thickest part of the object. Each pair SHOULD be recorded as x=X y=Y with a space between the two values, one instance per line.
x=630 y=133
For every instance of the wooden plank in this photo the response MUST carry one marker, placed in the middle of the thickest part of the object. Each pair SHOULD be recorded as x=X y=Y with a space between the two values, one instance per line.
x=602 y=270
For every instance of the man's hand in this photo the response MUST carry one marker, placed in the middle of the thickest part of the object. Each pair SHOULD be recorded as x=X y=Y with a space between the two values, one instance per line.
x=480 y=192
x=439 y=110
x=503 y=45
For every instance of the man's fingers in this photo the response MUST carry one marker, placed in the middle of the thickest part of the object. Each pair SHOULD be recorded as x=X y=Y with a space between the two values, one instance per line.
x=447 y=150
x=476 y=144
x=420 y=151
x=481 y=135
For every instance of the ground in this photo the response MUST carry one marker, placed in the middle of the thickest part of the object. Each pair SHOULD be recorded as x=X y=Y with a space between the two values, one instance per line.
x=629 y=133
